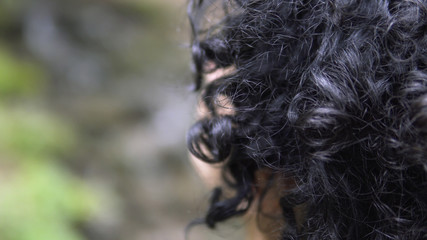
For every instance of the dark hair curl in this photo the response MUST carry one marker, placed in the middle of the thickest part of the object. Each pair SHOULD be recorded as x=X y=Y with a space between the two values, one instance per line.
x=332 y=93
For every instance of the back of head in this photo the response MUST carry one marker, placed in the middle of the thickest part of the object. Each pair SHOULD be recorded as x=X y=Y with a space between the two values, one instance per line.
x=329 y=96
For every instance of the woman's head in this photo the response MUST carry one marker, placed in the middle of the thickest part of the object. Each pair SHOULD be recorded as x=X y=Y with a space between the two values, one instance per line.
x=328 y=103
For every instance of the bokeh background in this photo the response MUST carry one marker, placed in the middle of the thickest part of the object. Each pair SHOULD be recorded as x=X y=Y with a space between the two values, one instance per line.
x=94 y=106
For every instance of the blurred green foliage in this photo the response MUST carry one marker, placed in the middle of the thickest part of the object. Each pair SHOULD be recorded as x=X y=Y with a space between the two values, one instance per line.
x=39 y=198
x=29 y=135
x=93 y=109
x=18 y=77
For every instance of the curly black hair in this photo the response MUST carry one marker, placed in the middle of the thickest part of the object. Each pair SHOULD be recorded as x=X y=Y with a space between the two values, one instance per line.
x=330 y=93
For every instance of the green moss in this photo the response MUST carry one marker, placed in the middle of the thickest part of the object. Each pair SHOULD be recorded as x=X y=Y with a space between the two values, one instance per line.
x=18 y=76
x=28 y=133
x=42 y=201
